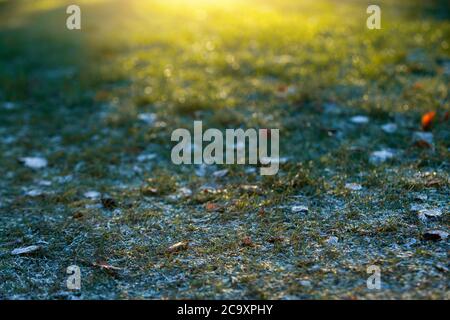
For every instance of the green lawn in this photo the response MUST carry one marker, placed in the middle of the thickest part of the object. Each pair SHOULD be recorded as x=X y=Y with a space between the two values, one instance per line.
x=80 y=99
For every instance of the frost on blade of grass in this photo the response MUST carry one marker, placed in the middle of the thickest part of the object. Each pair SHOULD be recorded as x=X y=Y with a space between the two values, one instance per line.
x=353 y=186
x=34 y=162
x=300 y=209
x=359 y=119
x=378 y=157
x=421 y=197
x=429 y=213
x=146 y=157
x=147 y=118
x=389 y=127
x=220 y=173
x=185 y=192
x=34 y=193
x=45 y=183
x=92 y=194
x=332 y=241
x=25 y=250
x=182 y=193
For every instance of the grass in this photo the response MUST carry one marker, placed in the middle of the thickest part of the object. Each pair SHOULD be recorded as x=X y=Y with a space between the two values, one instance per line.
x=303 y=67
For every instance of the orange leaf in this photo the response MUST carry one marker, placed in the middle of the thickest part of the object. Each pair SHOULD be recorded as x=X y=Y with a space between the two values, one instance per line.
x=427 y=120
x=210 y=206
x=418 y=86
x=423 y=144
x=282 y=88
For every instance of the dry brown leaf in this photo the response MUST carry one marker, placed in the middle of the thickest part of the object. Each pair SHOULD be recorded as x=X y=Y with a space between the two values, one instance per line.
x=109 y=203
x=182 y=245
x=247 y=242
x=418 y=86
x=435 y=235
x=104 y=265
x=210 y=206
x=275 y=239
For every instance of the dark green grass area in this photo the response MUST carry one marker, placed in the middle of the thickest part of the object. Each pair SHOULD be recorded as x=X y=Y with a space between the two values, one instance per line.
x=304 y=67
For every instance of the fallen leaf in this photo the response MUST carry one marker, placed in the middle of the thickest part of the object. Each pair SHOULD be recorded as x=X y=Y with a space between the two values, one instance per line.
x=275 y=239
x=284 y=91
x=109 y=203
x=300 y=209
x=220 y=173
x=149 y=191
x=429 y=213
x=247 y=242
x=261 y=212
x=421 y=197
x=282 y=88
x=353 y=186
x=25 y=250
x=305 y=283
x=146 y=157
x=211 y=206
x=332 y=240
x=416 y=207
x=92 y=194
x=148 y=118
x=389 y=127
x=250 y=189
x=34 y=162
x=434 y=182
x=427 y=120
x=418 y=86
x=423 y=139
x=435 y=235
x=184 y=192
x=101 y=95
x=111 y=270
x=34 y=193
x=104 y=265
x=378 y=157
x=45 y=183
x=77 y=215
x=359 y=119
x=182 y=245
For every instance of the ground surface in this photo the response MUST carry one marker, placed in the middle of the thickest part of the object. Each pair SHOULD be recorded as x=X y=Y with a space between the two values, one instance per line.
x=82 y=99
